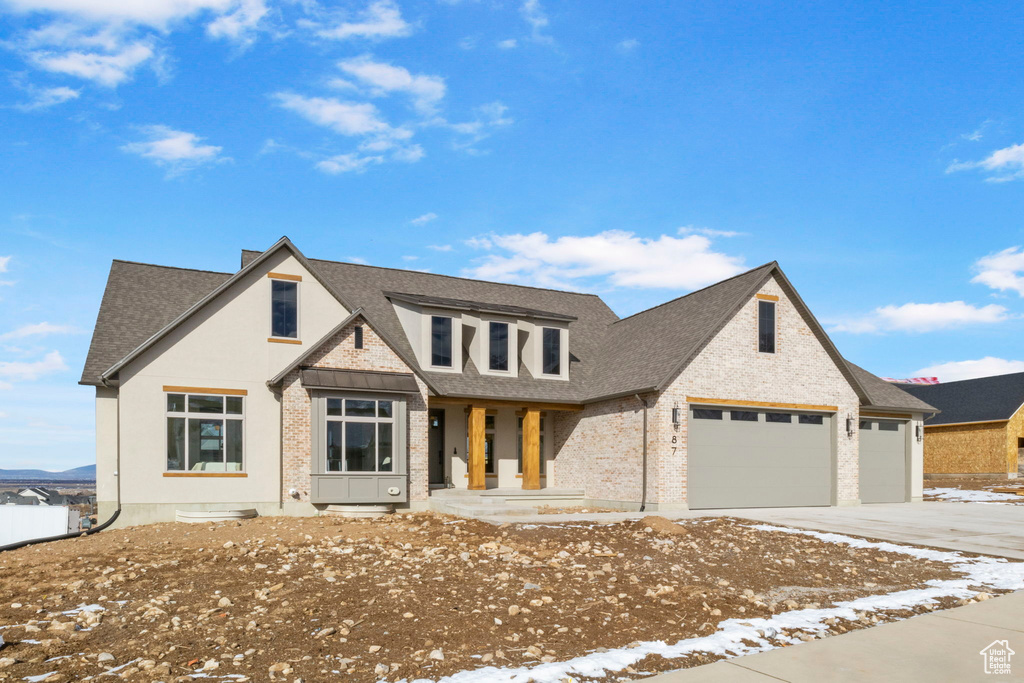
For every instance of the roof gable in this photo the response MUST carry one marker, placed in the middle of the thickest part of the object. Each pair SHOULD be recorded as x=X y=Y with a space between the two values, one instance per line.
x=984 y=399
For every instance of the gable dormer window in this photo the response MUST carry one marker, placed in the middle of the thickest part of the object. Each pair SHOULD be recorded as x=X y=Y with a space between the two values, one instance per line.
x=497 y=342
x=284 y=309
x=551 y=351
x=766 y=326
x=440 y=341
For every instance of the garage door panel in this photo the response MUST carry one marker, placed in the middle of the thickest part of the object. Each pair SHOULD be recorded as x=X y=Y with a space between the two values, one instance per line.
x=883 y=463
x=739 y=463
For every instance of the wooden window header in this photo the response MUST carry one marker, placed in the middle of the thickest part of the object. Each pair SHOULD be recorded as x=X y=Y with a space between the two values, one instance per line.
x=284 y=276
x=766 y=297
x=759 y=404
x=205 y=474
x=206 y=390
x=283 y=340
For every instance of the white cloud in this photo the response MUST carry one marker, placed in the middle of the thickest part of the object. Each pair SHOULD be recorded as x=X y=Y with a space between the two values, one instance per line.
x=4 y=263
x=1003 y=164
x=410 y=258
x=923 y=318
x=537 y=19
x=709 y=232
x=106 y=69
x=508 y=44
x=241 y=24
x=381 y=19
x=155 y=13
x=440 y=247
x=488 y=118
x=45 y=98
x=424 y=219
x=347 y=163
x=382 y=78
x=1003 y=270
x=628 y=45
x=178 y=150
x=39 y=330
x=970 y=369
x=620 y=257
x=19 y=371
x=347 y=118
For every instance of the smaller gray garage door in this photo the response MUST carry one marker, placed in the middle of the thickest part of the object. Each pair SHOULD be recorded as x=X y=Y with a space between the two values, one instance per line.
x=741 y=458
x=883 y=461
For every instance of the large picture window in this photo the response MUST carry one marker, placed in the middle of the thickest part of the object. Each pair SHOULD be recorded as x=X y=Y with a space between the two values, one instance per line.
x=360 y=435
x=551 y=353
x=205 y=433
x=498 y=346
x=284 y=309
x=441 y=341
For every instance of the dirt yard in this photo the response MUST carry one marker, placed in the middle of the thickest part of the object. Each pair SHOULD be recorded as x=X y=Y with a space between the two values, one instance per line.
x=975 y=490
x=417 y=596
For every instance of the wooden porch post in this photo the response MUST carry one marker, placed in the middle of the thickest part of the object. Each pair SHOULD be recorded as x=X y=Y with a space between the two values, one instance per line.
x=477 y=476
x=531 y=449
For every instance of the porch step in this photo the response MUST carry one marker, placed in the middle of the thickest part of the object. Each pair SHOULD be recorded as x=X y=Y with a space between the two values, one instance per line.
x=476 y=511
x=499 y=501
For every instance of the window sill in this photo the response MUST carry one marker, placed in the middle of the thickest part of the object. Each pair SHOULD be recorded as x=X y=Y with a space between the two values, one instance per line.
x=282 y=340
x=206 y=474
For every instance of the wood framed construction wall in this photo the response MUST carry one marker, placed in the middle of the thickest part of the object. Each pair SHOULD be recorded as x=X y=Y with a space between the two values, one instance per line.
x=979 y=448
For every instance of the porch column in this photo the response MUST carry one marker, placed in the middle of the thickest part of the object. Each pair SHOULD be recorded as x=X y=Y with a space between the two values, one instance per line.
x=475 y=457
x=531 y=449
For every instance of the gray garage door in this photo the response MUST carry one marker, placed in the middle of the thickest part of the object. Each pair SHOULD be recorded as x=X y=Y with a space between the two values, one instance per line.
x=883 y=461
x=758 y=458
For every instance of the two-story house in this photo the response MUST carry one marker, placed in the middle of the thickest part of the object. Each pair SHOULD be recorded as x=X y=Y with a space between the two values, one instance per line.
x=296 y=384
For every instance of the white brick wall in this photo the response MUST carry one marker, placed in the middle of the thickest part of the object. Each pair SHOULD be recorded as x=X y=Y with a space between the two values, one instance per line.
x=600 y=448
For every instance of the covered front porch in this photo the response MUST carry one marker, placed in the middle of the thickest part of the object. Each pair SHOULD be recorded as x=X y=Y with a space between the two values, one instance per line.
x=488 y=445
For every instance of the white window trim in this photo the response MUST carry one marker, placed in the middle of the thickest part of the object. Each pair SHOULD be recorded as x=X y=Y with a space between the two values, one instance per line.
x=430 y=343
x=364 y=419
x=223 y=416
x=563 y=362
x=513 y=360
x=298 y=309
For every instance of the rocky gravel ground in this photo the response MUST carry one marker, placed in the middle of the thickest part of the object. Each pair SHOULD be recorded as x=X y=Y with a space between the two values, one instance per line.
x=411 y=596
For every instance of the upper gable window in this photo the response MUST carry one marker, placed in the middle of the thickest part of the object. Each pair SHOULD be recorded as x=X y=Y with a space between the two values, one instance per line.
x=440 y=341
x=498 y=346
x=284 y=309
x=766 y=326
x=551 y=352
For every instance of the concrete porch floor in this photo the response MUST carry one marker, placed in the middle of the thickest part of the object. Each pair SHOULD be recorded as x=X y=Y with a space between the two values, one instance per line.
x=500 y=502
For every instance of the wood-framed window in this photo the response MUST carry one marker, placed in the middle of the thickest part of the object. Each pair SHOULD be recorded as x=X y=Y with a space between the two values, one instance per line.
x=205 y=433
x=359 y=435
x=284 y=309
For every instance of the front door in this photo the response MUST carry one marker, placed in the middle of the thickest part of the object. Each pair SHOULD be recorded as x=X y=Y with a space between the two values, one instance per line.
x=436 y=446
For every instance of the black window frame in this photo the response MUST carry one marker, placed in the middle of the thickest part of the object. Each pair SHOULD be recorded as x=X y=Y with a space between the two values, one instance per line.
x=865 y=425
x=435 y=356
x=744 y=416
x=888 y=426
x=284 y=324
x=778 y=418
x=811 y=419
x=766 y=326
x=551 y=365
x=493 y=325
x=707 y=414
x=357 y=337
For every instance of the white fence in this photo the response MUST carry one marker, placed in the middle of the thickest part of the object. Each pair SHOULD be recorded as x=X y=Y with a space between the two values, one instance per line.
x=24 y=522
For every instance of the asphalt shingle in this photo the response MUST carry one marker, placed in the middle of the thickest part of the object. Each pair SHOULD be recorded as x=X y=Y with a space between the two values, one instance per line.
x=973 y=400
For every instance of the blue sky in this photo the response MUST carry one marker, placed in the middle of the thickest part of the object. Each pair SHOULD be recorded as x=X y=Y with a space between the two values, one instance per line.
x=635 y=150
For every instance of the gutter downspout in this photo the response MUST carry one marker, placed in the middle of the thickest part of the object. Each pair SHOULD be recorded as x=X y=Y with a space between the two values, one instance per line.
x=643 y=490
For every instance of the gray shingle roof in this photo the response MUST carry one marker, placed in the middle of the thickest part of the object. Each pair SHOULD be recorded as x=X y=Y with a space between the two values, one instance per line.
x=973 y=400
x=480 y=306
x=140 y=299
x=882 y=394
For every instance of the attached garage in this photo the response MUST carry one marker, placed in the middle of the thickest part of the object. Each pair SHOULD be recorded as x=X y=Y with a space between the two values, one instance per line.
x=883 y=460
x=745 y=457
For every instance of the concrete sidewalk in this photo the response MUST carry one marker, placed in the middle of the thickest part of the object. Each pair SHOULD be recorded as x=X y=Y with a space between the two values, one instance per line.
x=941 y=646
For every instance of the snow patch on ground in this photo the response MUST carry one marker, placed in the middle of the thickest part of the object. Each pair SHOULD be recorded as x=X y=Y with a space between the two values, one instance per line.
x=971 y=496
x=736 y=637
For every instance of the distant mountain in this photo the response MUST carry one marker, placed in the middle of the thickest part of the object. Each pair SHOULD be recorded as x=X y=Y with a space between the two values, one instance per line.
x=86 y=473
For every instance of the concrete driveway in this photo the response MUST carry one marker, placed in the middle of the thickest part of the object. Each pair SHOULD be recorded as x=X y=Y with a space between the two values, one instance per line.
x=972 y=527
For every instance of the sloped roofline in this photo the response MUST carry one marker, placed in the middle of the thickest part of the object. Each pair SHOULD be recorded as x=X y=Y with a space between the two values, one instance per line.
x=283 y=243
x=771 y=268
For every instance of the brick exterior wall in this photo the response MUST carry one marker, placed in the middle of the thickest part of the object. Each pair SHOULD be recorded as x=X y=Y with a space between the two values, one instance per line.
x=339 y=353
x=600 y=449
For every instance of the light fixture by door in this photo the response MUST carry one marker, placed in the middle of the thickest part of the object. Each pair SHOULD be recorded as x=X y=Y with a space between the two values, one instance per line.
x=849 y=426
